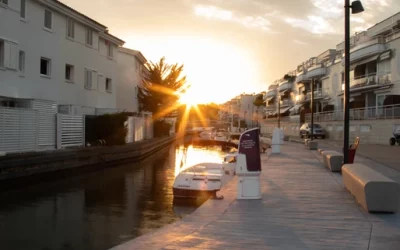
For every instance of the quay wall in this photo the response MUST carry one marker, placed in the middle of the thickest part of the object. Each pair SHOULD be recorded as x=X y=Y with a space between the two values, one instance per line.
x=15 y=166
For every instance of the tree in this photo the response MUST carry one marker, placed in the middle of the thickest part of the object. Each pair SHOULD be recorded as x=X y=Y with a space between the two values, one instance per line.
x=258 y=102
x=161 y=87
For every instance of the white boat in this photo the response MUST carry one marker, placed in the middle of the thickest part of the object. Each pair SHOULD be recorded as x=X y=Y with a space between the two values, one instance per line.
x=229 y=163
x=203 y=179
x=221 y=136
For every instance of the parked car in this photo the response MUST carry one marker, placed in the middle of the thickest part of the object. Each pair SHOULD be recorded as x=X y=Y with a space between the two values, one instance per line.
x=318 y=131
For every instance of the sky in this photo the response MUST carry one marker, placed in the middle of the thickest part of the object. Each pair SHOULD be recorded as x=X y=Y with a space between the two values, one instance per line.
x=229 y=47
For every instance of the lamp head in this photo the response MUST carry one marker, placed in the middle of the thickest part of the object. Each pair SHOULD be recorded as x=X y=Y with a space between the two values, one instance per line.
x=356 y=7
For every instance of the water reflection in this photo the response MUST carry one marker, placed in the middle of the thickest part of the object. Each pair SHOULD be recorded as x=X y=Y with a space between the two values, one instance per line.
x=100 y=209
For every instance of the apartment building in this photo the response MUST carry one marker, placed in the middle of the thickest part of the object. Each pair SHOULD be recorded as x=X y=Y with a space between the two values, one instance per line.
x=374 y=76
x=55 y=55
x=131 y=70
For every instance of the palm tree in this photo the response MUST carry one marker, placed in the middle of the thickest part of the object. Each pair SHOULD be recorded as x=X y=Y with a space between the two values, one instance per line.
x=161 y=87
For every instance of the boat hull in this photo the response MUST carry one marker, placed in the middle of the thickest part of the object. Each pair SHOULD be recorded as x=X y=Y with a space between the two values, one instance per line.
x=192 y=194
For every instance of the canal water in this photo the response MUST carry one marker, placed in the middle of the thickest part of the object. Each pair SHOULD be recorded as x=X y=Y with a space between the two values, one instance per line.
x=100 y=209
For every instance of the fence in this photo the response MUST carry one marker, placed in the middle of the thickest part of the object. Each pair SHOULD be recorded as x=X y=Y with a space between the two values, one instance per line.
x=70 y=131
x=18 y=129
x=136 y=129
x=370 y=113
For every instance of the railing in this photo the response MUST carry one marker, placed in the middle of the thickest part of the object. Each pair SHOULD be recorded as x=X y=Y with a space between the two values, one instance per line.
x=286 y=102
x=368 y=80
x=369 y=113
x=364 y=80
x=358 y=46
x=317 y=94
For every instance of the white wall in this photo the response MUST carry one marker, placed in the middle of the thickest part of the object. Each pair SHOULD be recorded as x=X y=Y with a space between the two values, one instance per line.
x=31 y=37
x=129 y=80
x=247 y=108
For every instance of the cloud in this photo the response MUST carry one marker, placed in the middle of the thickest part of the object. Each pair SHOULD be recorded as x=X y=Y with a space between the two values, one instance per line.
x=299 y=42
x=313 y=24
x=249 y=21
x=212 y=12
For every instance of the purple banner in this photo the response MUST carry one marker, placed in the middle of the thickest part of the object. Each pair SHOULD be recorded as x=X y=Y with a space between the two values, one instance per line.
x=249 y=145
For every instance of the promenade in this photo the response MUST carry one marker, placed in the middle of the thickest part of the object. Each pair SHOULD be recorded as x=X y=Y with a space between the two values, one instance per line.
x=303 y=206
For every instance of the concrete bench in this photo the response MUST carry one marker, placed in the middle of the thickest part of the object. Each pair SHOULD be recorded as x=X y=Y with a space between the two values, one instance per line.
x=333 y=160
x=374 y=191
x=312 y=145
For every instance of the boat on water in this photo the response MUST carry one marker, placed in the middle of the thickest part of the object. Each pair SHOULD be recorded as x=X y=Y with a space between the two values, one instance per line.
x=200 y=180
x=229 y=163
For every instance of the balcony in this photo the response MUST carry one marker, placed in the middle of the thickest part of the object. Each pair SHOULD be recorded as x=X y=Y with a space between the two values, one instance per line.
x=301 y=78
x=362 y=81
x=317 y=95
x=286 y=103
x=285 y=86
x=370 y=48
x=271 y=93
x=317 y=71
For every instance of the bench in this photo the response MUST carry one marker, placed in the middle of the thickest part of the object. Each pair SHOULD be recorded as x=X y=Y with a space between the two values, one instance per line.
x=374 y=191
x=312 y=145
x=333 y=160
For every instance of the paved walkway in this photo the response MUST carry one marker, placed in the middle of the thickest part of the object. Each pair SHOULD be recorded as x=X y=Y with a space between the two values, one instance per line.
x=303 y=206
x=384 y=154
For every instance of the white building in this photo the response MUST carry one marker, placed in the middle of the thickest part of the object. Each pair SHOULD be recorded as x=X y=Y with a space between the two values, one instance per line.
x=51 y=52
x=131 y=66
x=53 y=59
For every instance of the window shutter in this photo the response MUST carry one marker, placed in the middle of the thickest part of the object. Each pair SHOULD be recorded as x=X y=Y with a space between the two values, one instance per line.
x=10 y=55
x=94 y=80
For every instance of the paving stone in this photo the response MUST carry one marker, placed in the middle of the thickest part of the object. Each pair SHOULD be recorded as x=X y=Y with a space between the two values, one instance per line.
x=303 y=206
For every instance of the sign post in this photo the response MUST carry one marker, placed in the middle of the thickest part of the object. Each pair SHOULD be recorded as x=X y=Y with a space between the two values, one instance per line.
x=248 y=166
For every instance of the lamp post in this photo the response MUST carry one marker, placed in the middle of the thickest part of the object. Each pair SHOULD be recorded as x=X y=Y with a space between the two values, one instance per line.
x=279 y=110
x=312 y=108
x=356 y=7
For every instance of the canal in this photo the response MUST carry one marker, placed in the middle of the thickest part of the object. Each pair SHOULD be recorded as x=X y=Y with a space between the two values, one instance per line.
x=99 y=209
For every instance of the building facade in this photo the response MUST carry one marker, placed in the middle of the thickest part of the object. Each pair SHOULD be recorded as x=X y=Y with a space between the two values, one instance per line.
x=131 y=67
x=54 y=53
x=374 y=78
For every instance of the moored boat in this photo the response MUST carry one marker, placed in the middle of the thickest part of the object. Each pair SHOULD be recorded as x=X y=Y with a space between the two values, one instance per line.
x=200 y=180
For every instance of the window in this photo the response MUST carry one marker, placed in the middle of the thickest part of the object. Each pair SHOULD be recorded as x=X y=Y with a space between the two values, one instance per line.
x=70 y=28
x=45 y=66
x=89 y=37
x=109 y=49
x=69 y=72
x=1 y=53
x=48 y=19
x=22 y=13
x=88 y=79
x=5 y=2
x=8 y=55
x=108 y=85
x=21 y=62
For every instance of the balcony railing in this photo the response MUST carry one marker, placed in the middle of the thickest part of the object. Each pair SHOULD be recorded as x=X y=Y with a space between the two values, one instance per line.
x=369 y=80
x=317 y=71
x=317 y=94
x=285 y=85
x=369 y=113
x=271 y=93
x=286 y=102
x=366 y=49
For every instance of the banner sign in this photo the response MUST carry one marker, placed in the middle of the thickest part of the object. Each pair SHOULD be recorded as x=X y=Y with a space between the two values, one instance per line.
x=249 y=145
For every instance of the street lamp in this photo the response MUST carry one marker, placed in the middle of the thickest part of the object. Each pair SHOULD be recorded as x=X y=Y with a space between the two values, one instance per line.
x=356 y=7
x=279 y=110
x=312 y=108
